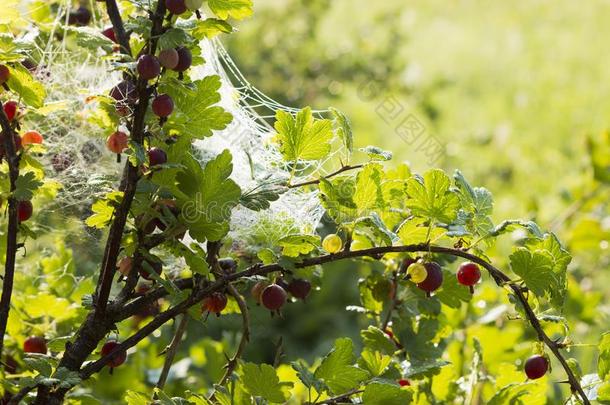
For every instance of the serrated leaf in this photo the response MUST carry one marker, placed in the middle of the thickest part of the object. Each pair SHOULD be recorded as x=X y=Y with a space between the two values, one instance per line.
x=261 y=197
x=510 y=394
x=431 y=197
x=262 y=381
x=535 y=268
x=196 y=115
x=336 y=369
x=302 y=137
x=415 y=230
x=26 y=185
x=40 y=364
x=307 y=377
x=136 y=398
x=210 y=27
x=296 y=245
x=452 y=293
x=103 y=210
x=238 y=9
x=31 y=91
x=375 y=339
x=210 y=197
x=374 y=362
x=379 y=393
x=343 y=127
x=173 y=38
x=603 y=360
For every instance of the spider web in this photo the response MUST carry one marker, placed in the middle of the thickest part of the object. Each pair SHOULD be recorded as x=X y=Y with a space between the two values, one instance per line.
x=78 y=160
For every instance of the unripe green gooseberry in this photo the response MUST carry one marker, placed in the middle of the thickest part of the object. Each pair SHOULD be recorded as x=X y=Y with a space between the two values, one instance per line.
x=332 y=243
x=417 y=272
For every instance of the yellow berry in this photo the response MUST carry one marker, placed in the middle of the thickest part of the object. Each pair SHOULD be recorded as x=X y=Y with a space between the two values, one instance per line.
x=332 y=243
x=417 y=272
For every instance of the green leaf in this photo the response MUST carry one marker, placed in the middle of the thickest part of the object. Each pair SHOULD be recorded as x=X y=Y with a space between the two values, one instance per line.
x=511 y=394
x=26 y=184
x=90 y=38
x=136 y=398
x=173 y=38
x=431 y=197
x=535 y=268
x=195 y=115
x=375 y=339
x=378 y=229
x=238 y=9
x=374 y=362
x=477 y=203
x=511 y=224
x=415 y=230
x=452 y=293
x=40 y=364
x=424 y=368
x=260 y=198
x=31 y=91
x=336 y=369
x=210 y=197
x=296 y=245
x=376 y=153
x=262 y=381
x=307 y=377
x=210 y=27
x=103 y=210
x=379 y=393
x=303 y=137
x=343 y=127
x=603 y=360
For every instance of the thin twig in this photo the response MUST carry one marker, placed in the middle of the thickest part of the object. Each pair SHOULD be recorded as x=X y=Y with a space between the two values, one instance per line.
x=333 y=174
x=340 y=398
x=117 y=25
x=172 y=350
x=13 y=224
x=245 y=333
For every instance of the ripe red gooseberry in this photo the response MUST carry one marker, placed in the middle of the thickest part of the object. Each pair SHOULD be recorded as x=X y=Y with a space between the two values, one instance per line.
x=185 y=59
x=24 y=210
x=156 y=157
x=176 y=7
x=168 y=58
x=118 y=358
x=4 y=74
x=214 y=303
x=35 y=344
x=273 y=297
x=148 y=67
x=117 y=142
x=468 y=274
x=10 y=109
x=299 y=288
x=31 y=137
x=163 y=105
x=536 y=366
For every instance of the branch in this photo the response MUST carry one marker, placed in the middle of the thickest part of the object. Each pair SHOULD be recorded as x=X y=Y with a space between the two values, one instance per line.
x=333 y=174
x=16 y=399
x=245 y=335
x=131 y=174
x=13 y=224
x=342 y=397
x=499 y=277
x=117 y=25
x=171 y=351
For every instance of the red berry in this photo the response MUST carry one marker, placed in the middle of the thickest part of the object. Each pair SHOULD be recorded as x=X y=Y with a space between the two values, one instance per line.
x=81 y=16
x=163 y=105
x=35 y=344
x=215 y=303
x=10 y=109
x=117 y=142
x=468 y=274
x=434 y=279
x=176 y=6
x=257 y=290
x=273 y=297
x=31 y=137
x=125 y=92
x=299 y=288
x=168 y=58
x=4 y=74
x=118 y=358
x=110 y=34
x=24 y=210
x=185 y=59
x=148 y=67
x=156 y=157
x=404 y=383
x=536 y=367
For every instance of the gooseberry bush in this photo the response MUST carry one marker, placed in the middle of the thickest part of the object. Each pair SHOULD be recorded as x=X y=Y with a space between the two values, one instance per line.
x=426 y=241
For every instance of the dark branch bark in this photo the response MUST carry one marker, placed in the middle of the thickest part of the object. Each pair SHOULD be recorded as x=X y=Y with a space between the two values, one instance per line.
x=117 y=24
x=13 y=225
x=170 y=354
